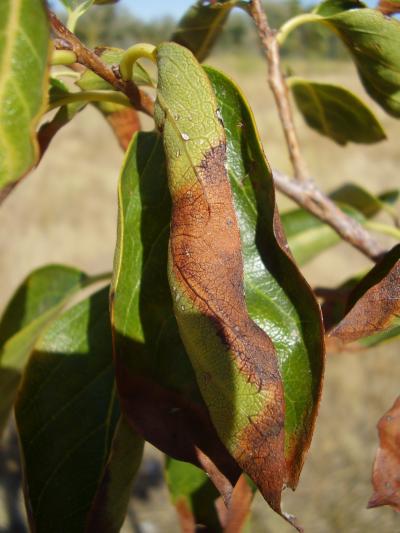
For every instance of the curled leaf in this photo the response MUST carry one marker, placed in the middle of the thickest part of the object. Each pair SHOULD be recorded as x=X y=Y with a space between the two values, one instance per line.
x=234 y=360
x=156 y=383
x=374 y=303
x=277 y=296
x=386 y=469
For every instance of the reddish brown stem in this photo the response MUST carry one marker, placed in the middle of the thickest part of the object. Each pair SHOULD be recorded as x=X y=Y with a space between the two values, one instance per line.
x=279 y=88
x=307 y=195
x=69 y=41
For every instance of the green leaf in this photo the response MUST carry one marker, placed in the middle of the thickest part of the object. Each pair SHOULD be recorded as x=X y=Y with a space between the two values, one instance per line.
x=201 y=25
x=193 y=495
x=331 y=7
x=154 y=376
x=24 y=50
x=308 y=236
x=66 y=415
x=335 y=112
x=232 y=357
x=90 y=81
x=374 y=43
x=277 y=297
x=110 y=504
x=198 y=504
x=38 y=300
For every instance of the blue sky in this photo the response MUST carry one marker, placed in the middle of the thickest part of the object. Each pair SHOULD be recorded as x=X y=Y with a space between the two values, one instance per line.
x=150 y=9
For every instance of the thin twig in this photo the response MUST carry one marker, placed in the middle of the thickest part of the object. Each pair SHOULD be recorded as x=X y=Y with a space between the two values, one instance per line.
x=307 y=195
x=69 y=41
x=302 y=189
x=279 y=88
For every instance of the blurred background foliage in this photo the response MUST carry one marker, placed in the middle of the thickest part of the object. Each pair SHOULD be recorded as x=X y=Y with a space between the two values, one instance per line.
x=115 y=25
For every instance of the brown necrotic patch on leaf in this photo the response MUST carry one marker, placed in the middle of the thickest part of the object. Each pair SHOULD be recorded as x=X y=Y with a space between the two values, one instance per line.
x=207 y=282
x=386 y=469
x=374 y=302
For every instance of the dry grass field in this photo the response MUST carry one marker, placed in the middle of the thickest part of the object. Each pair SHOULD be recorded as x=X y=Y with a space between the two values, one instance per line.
x=65 y=212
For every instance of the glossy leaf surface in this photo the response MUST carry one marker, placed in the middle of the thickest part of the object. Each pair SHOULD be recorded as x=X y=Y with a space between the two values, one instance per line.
x=335 y=112
x=39 y=299
x=68 y=390
x=156 y=382
x=232 y=357
x=278 y=298
x=24 y=49
x=201 y=25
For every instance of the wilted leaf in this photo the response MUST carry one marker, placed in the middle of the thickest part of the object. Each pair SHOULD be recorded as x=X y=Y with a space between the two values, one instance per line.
x=234 y=360
x=386 y=470
x=373 y=304
x=277 y=297
x=374 y=43
x=335 y=112
x=38 y=300
x=24 y=50
x=68 y=391
x=201 y=25
x=155 y=380
x=110 y=504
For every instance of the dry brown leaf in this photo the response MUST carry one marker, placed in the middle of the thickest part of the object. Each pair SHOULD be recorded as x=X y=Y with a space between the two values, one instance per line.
x=124 y=124
x=374 y=302
x=389 y=7
x=386 y=469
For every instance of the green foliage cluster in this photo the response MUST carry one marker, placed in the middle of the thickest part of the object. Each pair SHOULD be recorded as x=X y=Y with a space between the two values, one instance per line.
x=114 y=26
x=206 y=340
